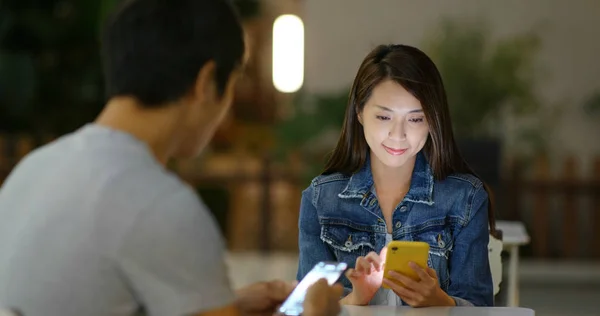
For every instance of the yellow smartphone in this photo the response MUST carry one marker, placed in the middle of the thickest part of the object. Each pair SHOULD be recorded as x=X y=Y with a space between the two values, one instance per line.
x=400 y=253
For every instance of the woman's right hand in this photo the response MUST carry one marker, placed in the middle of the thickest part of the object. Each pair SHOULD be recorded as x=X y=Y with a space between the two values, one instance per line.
x=366 y=278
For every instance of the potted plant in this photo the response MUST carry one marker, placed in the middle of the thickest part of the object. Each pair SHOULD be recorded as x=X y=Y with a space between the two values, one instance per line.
x=591 y=106
x=311 y=130
x=487 y=81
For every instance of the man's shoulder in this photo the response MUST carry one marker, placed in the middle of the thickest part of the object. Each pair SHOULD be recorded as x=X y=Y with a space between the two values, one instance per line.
x=168 y=188
x=151 y=187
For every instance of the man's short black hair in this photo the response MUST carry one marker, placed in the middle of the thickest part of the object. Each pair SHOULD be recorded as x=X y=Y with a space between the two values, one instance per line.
x=153 y=49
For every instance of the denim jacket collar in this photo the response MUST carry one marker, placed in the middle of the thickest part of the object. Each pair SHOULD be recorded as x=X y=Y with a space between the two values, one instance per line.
x=421 y=185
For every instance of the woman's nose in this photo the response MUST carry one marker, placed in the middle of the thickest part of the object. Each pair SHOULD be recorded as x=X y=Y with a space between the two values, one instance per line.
x=397 y=132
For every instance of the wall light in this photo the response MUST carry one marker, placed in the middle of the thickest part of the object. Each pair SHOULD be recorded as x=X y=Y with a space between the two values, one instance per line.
x=288 y=53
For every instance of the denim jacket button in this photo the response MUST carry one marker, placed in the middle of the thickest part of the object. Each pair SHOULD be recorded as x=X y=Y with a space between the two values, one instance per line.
x=348 y=244
x=403 y=208
x=398 y=224
x=441 y=242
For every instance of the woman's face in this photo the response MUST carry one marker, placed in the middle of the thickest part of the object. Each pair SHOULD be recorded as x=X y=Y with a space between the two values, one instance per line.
x=394 y=124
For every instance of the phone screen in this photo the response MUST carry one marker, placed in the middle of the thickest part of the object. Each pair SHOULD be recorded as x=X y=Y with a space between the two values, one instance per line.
x=327 y=270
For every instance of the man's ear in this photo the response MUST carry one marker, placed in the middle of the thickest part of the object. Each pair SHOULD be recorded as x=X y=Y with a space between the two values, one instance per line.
x=205 y=85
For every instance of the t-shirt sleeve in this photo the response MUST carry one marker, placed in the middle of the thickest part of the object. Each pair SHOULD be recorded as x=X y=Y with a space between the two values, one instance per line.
x=173 y=258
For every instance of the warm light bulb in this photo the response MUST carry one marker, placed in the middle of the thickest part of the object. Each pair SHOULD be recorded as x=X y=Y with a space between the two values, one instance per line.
x=288 y=53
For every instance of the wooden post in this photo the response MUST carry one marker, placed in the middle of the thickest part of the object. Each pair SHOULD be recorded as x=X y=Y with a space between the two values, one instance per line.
x=285 y=195
x=266 y=214
x=596 y=209
x=541 y=223
x=569 y=210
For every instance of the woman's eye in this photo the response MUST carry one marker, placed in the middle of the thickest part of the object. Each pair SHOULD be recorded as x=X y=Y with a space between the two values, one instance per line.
x=416 y=119
x=382 y=118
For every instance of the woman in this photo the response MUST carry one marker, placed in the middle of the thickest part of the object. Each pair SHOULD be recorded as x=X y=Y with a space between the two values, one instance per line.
x=397 y=174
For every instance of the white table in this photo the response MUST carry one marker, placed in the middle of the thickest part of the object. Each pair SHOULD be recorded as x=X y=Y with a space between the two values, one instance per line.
x=434 y=311
x=514 y=235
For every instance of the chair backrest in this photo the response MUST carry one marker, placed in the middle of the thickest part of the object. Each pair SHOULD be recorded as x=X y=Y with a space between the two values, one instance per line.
x=494 y=253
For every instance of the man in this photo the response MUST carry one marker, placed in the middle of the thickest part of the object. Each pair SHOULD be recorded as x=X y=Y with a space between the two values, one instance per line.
x=93 y=224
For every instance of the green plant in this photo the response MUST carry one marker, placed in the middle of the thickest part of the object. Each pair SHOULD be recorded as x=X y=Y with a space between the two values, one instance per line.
x=312 y=130
x=591 y=106
x=485 y=80
x=50 y=69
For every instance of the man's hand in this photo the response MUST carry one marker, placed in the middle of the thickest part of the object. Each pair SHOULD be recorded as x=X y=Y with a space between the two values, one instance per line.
x=262 y=298
x=322 y=299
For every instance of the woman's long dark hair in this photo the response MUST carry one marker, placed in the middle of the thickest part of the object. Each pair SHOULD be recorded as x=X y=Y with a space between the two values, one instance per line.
x=416 y=72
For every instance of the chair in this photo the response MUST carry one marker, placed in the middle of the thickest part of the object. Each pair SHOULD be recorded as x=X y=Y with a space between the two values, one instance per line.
x=494 y=256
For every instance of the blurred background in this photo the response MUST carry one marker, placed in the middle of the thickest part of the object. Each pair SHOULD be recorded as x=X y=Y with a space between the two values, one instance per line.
x=523 y=81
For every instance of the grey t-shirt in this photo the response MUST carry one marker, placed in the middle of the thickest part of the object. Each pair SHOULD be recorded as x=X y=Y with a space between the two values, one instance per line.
x=92 y=224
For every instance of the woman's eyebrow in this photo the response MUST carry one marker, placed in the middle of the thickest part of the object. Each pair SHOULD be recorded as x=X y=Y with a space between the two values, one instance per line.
x=390 y=110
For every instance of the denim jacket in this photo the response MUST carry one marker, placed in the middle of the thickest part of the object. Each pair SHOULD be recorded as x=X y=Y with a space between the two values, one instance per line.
x=340 y=220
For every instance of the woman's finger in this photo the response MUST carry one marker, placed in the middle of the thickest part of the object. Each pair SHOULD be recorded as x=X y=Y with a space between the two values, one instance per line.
x=432 y=273
x=403 y=292
x=423 y=275
x=406 y=281
x=357 y=265
x=375 y=260
x=362 y=265
x=353 y=274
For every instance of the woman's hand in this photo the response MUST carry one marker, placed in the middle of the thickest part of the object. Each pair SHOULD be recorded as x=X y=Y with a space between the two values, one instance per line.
x=366 y=278
x=422 y=293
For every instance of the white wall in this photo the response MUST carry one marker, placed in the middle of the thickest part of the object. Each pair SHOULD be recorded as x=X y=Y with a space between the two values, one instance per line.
x=340 y=32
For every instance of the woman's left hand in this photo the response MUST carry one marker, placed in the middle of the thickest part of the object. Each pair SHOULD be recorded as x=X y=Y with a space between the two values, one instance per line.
x=422 y=293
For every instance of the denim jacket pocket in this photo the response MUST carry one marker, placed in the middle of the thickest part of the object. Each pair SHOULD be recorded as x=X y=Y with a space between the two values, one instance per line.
x=348 y=240
x=440 y=243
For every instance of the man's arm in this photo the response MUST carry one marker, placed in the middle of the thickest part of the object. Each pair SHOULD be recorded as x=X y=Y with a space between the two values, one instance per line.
x=321 y=299
x=230 y=310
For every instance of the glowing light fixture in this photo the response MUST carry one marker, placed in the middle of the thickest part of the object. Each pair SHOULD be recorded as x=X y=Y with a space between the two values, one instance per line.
x=288 y=53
